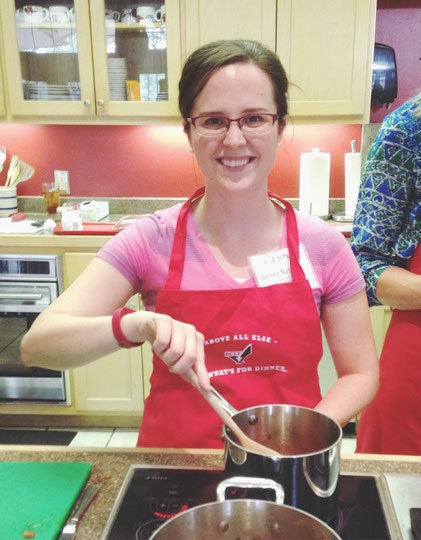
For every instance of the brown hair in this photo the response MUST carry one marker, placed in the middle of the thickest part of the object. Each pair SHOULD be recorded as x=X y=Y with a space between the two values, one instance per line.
x=202 y=63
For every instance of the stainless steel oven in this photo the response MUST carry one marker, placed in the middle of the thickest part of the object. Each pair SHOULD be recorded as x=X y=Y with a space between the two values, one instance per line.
x=28 y=284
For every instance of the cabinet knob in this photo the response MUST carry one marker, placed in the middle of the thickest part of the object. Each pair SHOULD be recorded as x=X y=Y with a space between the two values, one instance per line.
x=100 y=102
x=87 y=103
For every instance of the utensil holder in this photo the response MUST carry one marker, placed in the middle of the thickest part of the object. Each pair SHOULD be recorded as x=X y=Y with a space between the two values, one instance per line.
x=8 y=201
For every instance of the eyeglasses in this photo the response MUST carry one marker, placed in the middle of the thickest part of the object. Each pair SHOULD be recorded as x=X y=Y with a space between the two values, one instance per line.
x=217 y=126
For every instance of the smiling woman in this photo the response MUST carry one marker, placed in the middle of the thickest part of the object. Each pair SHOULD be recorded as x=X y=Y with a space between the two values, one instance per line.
x=196 y=266
x=241 y=149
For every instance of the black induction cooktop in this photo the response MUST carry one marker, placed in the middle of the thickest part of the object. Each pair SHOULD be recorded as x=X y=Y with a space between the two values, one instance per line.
x=150 y=496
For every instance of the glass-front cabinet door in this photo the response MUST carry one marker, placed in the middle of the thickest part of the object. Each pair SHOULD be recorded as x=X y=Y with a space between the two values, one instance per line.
x=92 y=58
x=48 y=57
x=136 y=50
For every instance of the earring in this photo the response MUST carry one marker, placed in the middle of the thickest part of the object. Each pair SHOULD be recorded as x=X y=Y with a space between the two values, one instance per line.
x=278 y=144
x=191 y=150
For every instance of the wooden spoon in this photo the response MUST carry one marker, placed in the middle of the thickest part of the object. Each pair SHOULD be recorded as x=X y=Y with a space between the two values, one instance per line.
x=14 y=176
x=245 y=441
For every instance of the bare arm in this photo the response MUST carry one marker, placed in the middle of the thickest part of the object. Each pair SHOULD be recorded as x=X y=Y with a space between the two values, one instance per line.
x=399 y=288
x=349 y=334
x=76 y=328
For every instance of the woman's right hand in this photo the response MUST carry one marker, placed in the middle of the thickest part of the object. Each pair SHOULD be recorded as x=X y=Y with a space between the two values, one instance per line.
x=178 y=344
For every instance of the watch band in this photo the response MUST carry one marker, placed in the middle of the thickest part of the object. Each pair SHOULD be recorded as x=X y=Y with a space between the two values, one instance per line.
x=118 y=333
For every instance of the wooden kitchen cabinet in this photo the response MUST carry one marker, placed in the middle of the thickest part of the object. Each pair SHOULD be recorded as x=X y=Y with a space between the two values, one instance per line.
x=38 y=55
x=77 y=71
x=204 y=21
x=326 y=47
x=327 y=50
x=113 y=383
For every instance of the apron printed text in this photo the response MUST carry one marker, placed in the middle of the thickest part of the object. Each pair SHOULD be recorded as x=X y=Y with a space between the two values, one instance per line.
x=240 y=337
x=246 y=369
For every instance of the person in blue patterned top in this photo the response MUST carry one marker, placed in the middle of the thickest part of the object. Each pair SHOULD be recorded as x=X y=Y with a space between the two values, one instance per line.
x=386 y=241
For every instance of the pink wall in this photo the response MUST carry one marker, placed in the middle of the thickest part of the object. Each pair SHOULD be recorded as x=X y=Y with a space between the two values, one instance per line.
x=398 y=24
x=153 y=161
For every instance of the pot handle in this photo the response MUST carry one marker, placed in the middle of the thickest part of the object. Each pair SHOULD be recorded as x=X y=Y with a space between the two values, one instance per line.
x=223 y=402
x=248 y=483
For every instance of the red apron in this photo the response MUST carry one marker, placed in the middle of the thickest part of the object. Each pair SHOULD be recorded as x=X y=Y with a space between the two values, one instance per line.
x=262 y=346
x=392 y=422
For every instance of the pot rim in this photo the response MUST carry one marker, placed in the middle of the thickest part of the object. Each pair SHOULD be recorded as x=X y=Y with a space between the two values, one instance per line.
x=240 y=502
x=284 y=456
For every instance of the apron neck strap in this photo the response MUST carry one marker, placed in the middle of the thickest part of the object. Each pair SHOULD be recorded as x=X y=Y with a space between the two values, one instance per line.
x=175 y=271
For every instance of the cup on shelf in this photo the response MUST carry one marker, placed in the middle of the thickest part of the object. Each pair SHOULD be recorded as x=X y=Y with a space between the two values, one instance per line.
x=159 y=15
x=34 y=14
x=51 y=196
x=8 y=201
x=144 y=13
x=127 y=15
x=59 y=14
x=111 y=14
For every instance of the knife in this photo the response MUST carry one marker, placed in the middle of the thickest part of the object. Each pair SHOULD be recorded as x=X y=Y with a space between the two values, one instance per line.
x=69 y=530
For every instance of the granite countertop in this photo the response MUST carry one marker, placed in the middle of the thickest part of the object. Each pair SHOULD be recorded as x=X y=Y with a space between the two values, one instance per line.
x=110 y=466
x=343 y=226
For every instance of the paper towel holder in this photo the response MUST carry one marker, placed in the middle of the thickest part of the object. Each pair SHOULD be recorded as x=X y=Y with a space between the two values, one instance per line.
x=342 y=216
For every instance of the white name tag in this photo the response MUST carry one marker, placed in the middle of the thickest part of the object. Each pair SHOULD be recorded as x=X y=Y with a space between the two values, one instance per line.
x=272 y=268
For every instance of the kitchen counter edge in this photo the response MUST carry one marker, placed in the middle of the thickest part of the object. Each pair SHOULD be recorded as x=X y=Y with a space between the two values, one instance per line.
x=110 y=466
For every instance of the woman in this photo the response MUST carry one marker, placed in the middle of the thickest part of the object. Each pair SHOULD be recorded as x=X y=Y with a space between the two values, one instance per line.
x=386 y=236
x=192 y=266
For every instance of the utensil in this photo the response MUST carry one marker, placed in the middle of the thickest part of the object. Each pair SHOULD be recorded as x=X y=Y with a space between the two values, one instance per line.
x=214 y=399
x=2 y=157
x=69 y=530
x=25 y=173
x=12 y=165
x=14 y=176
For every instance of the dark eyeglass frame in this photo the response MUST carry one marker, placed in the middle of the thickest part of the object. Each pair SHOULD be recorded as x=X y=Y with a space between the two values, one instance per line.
x=274 y=117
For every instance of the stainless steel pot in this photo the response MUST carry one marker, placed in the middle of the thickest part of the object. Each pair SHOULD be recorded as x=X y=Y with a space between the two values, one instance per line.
x=309 y=443
x=245 y=519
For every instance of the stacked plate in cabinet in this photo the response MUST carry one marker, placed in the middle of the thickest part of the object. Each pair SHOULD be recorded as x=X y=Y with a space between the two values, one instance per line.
x=117 y=75
x=40 y=90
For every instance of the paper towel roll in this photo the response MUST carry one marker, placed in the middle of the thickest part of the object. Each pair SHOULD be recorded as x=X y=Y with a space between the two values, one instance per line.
x=314 y=183
x=352 y=181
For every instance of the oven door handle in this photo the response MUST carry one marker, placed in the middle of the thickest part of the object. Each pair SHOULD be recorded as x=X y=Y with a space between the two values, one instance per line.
x=20 y=296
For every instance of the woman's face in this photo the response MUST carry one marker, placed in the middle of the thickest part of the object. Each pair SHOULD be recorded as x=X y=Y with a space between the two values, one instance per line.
x=236 y=161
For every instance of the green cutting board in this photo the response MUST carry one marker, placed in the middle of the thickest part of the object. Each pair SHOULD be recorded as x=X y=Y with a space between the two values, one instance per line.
x=38 y=497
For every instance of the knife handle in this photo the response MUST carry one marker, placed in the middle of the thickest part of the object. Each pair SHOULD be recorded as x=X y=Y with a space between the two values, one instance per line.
x=84 y=502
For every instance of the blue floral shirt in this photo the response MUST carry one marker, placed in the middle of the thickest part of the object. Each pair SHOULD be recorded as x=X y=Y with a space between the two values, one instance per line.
x=387 y=222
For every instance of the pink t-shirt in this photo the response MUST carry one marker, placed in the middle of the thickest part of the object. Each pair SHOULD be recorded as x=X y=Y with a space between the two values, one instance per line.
x=142 y=252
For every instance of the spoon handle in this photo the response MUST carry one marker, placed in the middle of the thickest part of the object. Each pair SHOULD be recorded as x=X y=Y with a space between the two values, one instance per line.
x=244 y=440
x=214 y=403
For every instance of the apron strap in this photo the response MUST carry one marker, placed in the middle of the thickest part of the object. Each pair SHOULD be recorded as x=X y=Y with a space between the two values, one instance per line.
x=175 y=271
x=176 y=266
x=297 y=273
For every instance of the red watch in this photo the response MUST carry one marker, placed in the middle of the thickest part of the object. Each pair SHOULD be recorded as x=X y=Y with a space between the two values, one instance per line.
x=118 y=333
